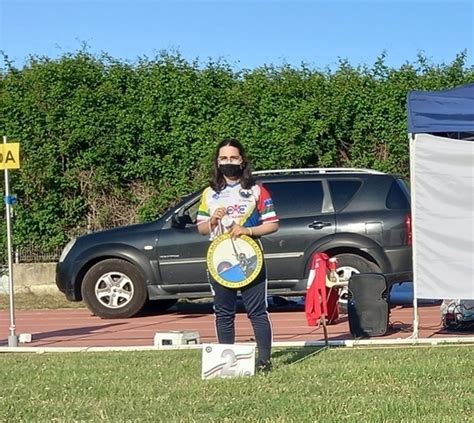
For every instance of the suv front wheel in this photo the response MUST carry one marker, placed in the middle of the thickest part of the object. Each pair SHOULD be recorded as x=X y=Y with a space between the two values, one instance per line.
x=114 y=289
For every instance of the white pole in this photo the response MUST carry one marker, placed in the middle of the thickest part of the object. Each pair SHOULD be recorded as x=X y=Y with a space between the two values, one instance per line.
x=12 y=338
x=413 y=234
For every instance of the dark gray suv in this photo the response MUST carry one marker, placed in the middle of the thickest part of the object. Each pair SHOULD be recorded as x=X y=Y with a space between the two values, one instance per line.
x=360 y=216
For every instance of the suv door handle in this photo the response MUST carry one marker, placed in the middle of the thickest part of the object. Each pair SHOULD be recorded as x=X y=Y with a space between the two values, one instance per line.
x=319 y=225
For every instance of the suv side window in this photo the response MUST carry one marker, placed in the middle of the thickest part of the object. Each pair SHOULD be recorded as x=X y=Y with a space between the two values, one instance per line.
x=296 y=199
x=192 y=210
x=342 y=192
x=396 y=199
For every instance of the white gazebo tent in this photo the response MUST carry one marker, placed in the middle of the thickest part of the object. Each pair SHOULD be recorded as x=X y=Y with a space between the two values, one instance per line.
x=441 y=127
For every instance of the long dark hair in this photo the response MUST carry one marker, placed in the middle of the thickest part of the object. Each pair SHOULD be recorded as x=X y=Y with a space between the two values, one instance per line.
x=218 y=182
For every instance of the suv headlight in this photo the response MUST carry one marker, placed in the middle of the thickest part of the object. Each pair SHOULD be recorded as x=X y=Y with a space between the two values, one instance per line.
x=66 y=250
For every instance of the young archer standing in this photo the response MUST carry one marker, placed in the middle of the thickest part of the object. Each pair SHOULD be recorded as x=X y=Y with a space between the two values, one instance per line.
x=234 y=203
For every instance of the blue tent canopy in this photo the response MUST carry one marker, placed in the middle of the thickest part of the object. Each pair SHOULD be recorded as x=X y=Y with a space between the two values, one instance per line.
x=441 y=111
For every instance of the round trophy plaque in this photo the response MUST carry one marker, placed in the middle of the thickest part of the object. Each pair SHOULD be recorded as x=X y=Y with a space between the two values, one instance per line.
x=234 y=263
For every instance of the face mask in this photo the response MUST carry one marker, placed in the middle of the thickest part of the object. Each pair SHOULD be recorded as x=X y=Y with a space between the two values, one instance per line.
x=231 y=170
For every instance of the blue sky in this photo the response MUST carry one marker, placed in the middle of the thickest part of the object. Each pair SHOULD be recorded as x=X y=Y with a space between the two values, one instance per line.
x=245 y=33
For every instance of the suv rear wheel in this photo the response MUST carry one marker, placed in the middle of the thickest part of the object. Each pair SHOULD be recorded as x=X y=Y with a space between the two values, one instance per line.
x=114 y=289
x=347 y=265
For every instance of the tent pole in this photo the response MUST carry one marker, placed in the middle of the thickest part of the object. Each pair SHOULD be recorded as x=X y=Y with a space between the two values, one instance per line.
x=413 y=233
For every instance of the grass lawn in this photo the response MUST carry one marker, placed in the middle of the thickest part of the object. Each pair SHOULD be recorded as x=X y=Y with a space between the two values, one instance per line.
x=428 y=384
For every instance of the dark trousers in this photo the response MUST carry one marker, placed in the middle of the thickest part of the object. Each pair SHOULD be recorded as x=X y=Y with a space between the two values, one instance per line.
x=254 y=297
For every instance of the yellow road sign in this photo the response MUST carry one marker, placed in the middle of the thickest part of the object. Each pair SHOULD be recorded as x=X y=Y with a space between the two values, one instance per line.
x=10 y=156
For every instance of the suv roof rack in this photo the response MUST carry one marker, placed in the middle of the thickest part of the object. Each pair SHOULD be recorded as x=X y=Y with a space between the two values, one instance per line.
x=318 y=170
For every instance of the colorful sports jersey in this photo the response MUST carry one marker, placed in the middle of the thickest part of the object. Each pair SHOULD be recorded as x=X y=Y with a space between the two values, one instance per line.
x=245 y=207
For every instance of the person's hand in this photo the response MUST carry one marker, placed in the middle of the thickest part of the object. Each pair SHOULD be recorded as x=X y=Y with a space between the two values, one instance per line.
x=238 y=230
x=218 y=215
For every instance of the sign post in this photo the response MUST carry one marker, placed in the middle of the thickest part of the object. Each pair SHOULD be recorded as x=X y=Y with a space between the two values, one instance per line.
x=10 y=159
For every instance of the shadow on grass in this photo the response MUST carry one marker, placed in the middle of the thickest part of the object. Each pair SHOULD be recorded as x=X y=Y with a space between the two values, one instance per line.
x=292 y=356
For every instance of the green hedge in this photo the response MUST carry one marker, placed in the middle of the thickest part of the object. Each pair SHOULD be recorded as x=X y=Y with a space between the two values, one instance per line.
x=105 y=142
